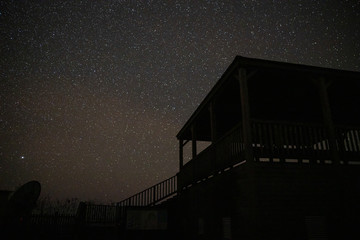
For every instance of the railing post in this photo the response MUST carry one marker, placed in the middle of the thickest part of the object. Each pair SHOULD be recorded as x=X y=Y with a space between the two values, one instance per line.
x=193 y=136
x=213 y=121
x=181 y=154
x=81 y=215
x=117 y=214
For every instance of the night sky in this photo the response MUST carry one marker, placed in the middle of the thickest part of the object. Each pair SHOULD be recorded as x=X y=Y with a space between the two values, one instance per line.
x=92 y=93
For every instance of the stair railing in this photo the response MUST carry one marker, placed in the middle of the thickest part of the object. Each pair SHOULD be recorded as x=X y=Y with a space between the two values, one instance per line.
x=152 y=195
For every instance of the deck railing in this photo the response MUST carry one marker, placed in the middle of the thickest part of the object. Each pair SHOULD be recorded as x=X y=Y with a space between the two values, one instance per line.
x=273 y=142
x=284 y=141
x=302 y=142
x=224 y=153
x=348 y=143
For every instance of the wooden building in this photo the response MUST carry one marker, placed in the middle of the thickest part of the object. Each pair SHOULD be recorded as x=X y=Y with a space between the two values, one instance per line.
x=282 y=159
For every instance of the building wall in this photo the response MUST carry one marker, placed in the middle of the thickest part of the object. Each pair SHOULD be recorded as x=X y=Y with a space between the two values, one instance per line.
x=274 y=201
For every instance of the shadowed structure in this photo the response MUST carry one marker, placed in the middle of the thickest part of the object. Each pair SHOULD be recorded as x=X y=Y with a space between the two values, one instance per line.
x=284 y=154
x=281 y=162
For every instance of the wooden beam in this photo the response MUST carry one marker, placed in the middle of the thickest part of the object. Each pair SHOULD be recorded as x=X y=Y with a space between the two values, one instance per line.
x=251 y=192
x=185 y=142
x=245 y=110
x=193 y=136
x=181 y=154
x=213 y=121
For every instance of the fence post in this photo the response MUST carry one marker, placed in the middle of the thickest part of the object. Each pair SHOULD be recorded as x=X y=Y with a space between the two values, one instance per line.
x=117 y=214
x=81 y=216
x=55 y=221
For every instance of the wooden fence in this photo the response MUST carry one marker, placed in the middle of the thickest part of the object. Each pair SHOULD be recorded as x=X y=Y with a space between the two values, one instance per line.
x=97 y=214
x=53 y=224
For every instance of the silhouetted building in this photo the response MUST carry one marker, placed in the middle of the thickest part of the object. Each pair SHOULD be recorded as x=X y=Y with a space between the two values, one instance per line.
x=281 y=157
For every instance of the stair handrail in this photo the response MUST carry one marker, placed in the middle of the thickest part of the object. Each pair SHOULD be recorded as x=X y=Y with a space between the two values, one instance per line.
x=152 y=195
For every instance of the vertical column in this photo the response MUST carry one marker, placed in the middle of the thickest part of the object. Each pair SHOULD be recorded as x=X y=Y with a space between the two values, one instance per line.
x=245 y=110
x=326 y=112
x=181 y=154
x=250 y=191
x=213 y=121
x=193 y=136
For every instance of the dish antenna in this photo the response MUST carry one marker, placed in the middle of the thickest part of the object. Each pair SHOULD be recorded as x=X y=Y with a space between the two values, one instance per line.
x=22 y=202
x=16 y=209
x=25 y=197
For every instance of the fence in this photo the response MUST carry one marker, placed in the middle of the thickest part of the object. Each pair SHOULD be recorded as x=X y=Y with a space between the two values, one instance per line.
x=56 y=223
x=97 y=214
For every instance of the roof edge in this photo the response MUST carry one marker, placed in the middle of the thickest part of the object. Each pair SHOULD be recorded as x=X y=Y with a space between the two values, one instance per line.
x=269 y=64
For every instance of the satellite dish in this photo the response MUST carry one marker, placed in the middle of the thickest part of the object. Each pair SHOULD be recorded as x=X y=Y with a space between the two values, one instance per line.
x=17 y=210
x=23 y=200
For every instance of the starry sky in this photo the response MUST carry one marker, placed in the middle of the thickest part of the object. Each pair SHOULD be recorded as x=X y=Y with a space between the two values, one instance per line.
x=92 y=93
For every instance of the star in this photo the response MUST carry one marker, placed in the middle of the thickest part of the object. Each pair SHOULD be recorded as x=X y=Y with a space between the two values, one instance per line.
x=94 y=92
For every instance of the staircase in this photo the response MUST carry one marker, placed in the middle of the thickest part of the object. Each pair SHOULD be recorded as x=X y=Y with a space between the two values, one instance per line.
x=153 y=195
x=149 y=197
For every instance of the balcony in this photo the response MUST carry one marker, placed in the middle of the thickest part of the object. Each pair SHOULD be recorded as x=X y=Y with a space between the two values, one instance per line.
x=274 y=142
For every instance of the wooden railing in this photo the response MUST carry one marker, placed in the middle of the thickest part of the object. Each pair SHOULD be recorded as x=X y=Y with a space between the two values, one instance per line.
x=224 y=153
x=149 y=197
x=273 y=142
x=348 y=143
x=303 y=142
x=296 y=141
x=153 y=195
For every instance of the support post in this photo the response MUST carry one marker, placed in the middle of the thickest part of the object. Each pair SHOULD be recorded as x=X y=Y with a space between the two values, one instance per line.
x=245 y=110
x=181 y=154
x=251 y=189
x=327 y=118
x=193 y=136
x=213 y=121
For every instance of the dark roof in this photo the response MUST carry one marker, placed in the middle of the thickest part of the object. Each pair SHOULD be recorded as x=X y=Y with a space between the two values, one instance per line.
x=265 y=72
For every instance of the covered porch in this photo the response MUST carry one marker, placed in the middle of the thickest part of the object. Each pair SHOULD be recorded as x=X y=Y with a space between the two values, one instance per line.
x=264 y=111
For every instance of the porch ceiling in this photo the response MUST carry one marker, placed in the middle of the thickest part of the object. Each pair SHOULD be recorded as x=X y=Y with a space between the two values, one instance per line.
x=277 y=91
